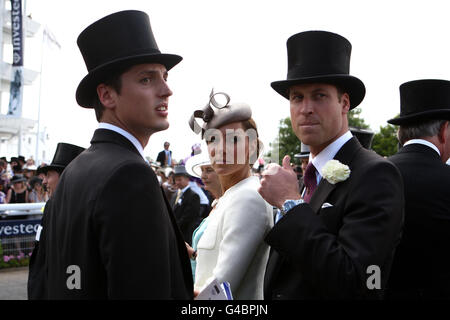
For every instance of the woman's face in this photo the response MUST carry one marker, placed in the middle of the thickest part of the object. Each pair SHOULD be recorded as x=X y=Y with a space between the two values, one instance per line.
x=18 y=185
x=210 y=179
x=229 y=148
x=38 y=187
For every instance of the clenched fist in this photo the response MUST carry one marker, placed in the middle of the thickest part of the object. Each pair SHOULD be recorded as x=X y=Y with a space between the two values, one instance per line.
x=279 y=184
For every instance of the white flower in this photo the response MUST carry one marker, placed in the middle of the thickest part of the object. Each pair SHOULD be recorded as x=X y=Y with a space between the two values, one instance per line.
x=335 y=172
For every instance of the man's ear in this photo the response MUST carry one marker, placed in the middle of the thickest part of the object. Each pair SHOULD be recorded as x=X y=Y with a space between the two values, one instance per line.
x=345 y=98
x=443 y=134
x=106 y=95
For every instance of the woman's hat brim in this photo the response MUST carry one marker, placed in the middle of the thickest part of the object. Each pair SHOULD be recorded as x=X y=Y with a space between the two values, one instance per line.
x=439 y=114
x=193 y=164
x=352 y=85
x=86 y=90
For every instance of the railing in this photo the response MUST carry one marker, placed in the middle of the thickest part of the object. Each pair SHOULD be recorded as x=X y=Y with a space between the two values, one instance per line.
x=18 y=209
x=19 y=223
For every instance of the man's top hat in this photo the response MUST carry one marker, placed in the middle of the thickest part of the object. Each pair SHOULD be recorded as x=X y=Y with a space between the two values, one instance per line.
x=65 y=153
x=364 y=136
x=423 y=100
x=320 y=57
x=304 y=152
x=121 y=39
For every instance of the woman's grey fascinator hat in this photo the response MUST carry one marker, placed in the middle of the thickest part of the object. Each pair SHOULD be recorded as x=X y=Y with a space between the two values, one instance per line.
x=216 y=114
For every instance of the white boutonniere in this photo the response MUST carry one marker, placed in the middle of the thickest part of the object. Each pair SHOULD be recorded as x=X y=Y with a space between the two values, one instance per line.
x=334 y=171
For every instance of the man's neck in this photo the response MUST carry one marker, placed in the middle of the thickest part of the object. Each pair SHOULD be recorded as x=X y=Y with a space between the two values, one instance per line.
x=315 y=150
x=142 y=138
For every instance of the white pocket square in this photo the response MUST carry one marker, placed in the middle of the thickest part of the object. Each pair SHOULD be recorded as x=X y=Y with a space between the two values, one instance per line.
x=326 y=205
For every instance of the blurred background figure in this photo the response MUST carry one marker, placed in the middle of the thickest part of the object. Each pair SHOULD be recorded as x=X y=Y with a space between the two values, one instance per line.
x=165 y=156
x=200 y=166
x=185 y=204
x=37 y=193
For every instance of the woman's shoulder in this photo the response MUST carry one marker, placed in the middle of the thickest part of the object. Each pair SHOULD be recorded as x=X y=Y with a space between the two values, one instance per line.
x=246 y=196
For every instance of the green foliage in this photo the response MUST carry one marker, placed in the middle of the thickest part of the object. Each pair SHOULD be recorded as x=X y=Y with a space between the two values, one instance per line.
x=355 y=120
x=385 y=142
x=288 y=142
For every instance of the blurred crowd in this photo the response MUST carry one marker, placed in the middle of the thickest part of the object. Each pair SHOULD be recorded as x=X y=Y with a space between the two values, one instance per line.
x=21 y=181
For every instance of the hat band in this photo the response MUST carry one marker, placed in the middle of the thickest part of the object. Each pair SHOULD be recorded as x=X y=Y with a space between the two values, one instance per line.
x=93 y=64
x=318 y=71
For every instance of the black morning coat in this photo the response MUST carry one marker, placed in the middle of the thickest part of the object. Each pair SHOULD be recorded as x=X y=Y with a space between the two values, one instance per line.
x=326 y=252
x=421 y=268
x=187 y=213
x=110 y=227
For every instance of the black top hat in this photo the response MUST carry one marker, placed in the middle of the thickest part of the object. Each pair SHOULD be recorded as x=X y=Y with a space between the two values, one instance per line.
x=65 y=153
x=423 y=100
x=324 y=57
x=304 y=152
x=364 y=136
x=121 y=39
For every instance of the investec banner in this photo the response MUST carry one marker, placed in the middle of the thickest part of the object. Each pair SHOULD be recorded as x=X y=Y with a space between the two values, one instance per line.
x=16 y=91
x=14 y=228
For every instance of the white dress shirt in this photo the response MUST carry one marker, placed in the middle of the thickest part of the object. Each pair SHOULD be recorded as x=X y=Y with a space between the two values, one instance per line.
x=129 y=136
x=423 y=142
x=328 y=154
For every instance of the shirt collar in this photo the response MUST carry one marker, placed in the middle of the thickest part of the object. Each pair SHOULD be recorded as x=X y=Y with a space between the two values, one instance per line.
x=423 y=142
x=130 y=137
x=184 y=189
x=329 y=152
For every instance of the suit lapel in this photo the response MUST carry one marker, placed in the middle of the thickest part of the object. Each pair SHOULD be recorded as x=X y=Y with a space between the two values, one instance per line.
x=345 y=156
x=320 y=195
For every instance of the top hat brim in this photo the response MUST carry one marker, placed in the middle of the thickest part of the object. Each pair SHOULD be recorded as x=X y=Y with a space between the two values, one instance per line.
x=350 y=84
x=46 y=169
x=438 y=114
x=86 y=90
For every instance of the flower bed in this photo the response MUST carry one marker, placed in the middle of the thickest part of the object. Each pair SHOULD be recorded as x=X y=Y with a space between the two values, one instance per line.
x=11 y=261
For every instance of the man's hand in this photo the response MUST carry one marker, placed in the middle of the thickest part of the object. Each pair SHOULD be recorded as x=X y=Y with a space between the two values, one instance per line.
x=279 y=184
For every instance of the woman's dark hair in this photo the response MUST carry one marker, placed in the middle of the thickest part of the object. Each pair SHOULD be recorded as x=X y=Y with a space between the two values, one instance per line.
x=251 y=124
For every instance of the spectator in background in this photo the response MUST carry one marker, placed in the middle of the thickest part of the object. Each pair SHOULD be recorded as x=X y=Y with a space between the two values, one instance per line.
x=165 y=156
x=37 y=194
x=185 y=203
x=200 y=166
x=421 y=266
x=37 y=277
x=3 y=165
x=18 y=193
x=2 y=193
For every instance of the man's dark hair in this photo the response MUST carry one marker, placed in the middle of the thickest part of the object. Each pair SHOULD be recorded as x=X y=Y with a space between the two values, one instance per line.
x=114 y=80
